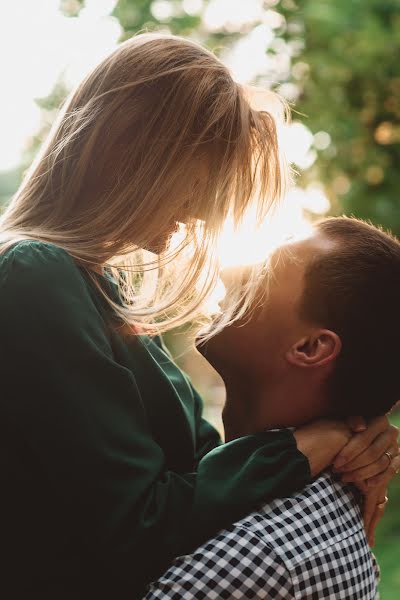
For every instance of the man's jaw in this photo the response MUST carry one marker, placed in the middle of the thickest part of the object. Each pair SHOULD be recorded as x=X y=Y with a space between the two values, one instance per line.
x=253 y=406
x=221 y=366
x=241 y=409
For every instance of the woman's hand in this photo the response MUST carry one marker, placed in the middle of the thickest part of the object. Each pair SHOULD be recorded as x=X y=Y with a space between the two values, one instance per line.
x=357 y=450
x=321 y=441
x=371 y=469
x=375 y=499
x=364 y=458
x=374 y=505
x=359 y=456
x=381 y=437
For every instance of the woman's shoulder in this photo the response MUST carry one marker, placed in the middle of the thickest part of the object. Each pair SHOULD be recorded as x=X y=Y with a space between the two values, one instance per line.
x=43 y=289
x=29 y=265
x=31 y=252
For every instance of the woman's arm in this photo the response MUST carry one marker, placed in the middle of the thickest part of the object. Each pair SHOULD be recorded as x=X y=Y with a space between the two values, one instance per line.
x=206 y=436
x=85 y=427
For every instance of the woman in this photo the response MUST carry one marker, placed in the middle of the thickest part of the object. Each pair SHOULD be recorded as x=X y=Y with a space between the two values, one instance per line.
x=109 y=469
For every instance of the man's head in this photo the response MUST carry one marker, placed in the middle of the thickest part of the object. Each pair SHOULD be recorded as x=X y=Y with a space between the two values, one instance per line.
x=324 y=341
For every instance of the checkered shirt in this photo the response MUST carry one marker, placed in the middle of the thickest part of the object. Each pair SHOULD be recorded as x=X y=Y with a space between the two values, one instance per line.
x=310 y=545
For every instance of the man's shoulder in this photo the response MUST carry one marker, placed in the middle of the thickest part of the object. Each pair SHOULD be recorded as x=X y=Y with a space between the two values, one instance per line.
x=311 y=544
x=317 y=535
x=324 y=513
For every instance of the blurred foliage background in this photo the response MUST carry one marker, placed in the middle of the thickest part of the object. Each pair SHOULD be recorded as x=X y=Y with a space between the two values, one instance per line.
x=337 y=63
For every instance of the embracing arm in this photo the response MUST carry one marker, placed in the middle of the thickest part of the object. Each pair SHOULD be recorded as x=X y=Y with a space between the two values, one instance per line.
x=206 y=436
x=85 y=425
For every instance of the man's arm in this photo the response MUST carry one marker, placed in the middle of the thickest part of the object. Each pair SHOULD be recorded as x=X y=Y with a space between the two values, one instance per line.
x=235 y=564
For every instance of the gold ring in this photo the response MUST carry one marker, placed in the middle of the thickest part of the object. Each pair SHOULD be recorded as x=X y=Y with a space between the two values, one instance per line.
x=389 y=455
x=382 y=504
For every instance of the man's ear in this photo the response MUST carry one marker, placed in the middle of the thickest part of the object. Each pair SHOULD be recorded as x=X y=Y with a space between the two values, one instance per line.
x=320 y=348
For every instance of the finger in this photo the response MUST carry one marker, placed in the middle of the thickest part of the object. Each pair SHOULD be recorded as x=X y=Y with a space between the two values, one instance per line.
x=369 y=501
x=386 y=441
x=380 y=465
x=356 y=424
x=363 y=487
x=391 y=471
x=377 y=516
x=371 y=454
x=373 y=502
x=368 y=511
x=360 y=441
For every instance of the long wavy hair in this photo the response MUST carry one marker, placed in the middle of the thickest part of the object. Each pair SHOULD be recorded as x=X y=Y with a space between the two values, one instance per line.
x=158 y=133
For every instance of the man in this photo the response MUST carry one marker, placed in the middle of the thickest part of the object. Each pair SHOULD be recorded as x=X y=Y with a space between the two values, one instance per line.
x=322 y=343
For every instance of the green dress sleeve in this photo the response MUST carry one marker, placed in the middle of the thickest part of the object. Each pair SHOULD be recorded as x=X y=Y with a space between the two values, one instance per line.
x=83 y=420
x=207 y=437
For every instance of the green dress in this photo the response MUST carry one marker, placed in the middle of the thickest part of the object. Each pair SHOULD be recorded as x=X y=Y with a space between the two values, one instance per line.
x=108 y=469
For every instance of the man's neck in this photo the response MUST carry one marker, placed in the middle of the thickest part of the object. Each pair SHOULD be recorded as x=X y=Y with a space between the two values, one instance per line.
x=250 y=410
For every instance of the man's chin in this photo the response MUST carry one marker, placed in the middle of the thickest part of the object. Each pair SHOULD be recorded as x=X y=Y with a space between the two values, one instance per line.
x=201 y=345
x=211 y=351
x=202 y=340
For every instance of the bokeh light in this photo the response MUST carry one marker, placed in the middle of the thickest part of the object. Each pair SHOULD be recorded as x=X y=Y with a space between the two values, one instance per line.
x=48 y=45
x=58 y=48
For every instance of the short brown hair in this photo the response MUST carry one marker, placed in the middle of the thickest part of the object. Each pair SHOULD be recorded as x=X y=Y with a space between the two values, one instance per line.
x=354 y=290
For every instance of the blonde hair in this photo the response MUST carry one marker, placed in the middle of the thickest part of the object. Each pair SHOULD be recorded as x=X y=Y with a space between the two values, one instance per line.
x=104 y=184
